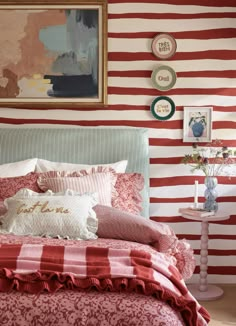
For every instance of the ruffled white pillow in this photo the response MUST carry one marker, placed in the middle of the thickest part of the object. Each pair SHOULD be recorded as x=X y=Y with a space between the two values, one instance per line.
x=65 y=214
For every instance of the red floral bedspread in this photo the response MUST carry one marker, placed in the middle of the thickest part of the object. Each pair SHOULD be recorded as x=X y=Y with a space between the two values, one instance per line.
x=53 y=265
x=73 y=308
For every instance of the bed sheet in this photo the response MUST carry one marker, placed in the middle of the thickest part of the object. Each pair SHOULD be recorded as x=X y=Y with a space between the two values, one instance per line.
x=67 y=307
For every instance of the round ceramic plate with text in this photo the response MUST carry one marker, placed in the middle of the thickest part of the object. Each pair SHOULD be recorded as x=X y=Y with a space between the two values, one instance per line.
x=163 y=78
x=163 y=108
x=164 y=46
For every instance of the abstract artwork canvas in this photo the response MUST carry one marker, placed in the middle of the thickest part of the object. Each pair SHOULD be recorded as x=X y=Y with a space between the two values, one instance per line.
x=53 y=54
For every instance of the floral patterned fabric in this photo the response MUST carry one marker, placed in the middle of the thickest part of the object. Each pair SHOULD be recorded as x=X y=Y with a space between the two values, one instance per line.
x=128 y=197
x=67 y=307
x=10 y=186
x=70 y=308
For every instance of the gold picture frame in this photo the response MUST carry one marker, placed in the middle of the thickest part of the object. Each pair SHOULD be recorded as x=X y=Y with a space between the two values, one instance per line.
x=53 y=54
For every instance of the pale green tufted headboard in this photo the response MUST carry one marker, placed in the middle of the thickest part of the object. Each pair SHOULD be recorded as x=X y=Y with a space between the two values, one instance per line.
x=90 y=145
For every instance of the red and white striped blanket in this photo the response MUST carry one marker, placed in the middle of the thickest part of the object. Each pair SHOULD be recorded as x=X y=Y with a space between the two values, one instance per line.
x=35 y=268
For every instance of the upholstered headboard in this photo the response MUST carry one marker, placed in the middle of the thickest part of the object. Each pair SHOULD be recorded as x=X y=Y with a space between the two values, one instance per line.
x=91 y=145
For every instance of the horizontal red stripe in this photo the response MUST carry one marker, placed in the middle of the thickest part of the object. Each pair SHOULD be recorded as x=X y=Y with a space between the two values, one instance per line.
x=225 y=199
x=180 y=219
x=173 y=16
x=198 y=35
x=224 y=124
x=124 y=107
x=221 y=270
x=179 y=142
x=173 y=160
x=208 y=74
x=121 y=107
x=215 y=252
x=186 y=180
x=210 y=236
x=207 y=3
x=38 y=106
x=196 y=55
x=181 y=74
x=144 y=124
x=165 y=160
x=174 y=91
x=171 y=200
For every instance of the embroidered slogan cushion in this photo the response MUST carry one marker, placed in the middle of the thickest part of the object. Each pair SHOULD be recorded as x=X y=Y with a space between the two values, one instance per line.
x=65 y=215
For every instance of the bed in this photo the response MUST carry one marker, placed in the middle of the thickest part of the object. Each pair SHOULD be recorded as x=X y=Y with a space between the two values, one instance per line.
x=76 y=244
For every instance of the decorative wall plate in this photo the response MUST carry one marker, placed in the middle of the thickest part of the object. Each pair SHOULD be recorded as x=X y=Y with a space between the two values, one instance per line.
x=163 y=108
x=163 y=78
x=164 y=46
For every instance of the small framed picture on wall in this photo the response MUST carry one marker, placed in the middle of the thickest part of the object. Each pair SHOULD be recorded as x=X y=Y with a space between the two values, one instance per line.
x=197 y=124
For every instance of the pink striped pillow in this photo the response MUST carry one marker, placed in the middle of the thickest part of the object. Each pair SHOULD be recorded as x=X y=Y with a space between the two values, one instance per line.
x=100 y=180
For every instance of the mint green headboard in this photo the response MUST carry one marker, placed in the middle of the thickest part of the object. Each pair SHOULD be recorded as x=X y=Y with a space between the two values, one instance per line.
x=89 y=145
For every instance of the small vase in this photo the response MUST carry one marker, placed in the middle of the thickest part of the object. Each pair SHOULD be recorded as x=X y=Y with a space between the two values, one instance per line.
x=210 y=194
x=197 y=129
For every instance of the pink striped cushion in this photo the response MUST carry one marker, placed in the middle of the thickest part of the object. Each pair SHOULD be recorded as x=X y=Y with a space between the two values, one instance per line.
x=100 y=180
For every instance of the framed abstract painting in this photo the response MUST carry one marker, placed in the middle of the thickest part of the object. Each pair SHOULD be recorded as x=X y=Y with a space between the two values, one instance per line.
x=53 y=53
x=197 y=124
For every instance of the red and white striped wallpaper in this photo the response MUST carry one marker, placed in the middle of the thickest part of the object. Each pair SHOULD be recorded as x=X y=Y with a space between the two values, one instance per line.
x=205 y=64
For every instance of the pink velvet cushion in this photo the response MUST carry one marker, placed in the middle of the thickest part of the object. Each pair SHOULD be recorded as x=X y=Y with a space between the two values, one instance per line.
x=115 y=224
x=100 y=180
x=10 y=186
x=128 y=197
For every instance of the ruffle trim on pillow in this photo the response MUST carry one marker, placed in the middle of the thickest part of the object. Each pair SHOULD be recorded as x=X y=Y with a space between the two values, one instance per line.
x=181 y=250
x=38 y=282
x=128 y=197
x=185 y=259
x=42 y=180
x=81 y=173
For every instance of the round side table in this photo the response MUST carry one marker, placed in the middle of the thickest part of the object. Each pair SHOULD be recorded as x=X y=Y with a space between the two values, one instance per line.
x=204 y=291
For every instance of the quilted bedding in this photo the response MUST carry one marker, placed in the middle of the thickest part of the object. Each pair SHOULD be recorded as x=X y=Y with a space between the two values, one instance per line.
x=112 y=277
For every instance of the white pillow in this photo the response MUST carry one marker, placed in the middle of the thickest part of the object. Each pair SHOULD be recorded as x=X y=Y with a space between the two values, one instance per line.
x=17 y=169
x=44 y=166
x=65 y=214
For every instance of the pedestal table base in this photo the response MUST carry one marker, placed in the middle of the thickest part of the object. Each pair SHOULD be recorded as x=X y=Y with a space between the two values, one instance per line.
x=213 y=292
